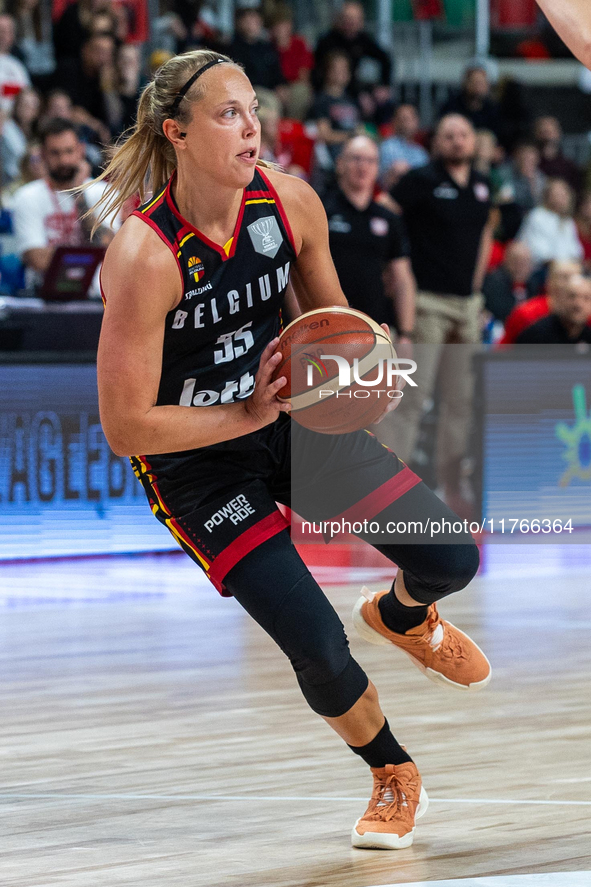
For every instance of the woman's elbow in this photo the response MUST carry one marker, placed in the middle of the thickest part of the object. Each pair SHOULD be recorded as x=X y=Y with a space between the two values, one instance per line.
x=120 y=446
x=121 y=441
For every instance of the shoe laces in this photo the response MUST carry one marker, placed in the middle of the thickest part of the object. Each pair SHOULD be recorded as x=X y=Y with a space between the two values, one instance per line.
x=390 y=798
x=446 y=643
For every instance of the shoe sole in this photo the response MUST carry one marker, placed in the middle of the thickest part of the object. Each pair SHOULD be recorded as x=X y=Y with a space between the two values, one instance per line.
x=383 y=841
x=374 y=637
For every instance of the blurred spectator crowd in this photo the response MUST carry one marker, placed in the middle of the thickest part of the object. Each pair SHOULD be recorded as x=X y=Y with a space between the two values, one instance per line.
x=69 y=88
x=475 y=229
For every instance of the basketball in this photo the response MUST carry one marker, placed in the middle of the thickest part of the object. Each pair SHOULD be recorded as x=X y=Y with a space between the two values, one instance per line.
x=339 y=370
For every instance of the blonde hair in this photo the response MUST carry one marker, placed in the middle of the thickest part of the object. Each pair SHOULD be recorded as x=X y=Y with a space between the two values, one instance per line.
x=144 y=159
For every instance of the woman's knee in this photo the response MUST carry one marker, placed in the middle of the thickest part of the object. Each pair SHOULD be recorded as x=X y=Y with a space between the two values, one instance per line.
x=443 y=570
x=313 y=637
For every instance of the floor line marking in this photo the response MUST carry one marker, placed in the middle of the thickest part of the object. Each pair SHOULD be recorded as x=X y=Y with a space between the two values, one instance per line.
x=58 y=796
x=543 y=879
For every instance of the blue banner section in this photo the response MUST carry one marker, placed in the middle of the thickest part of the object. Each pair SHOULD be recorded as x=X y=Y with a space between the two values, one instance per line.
x=536 y=438
x=62 y=490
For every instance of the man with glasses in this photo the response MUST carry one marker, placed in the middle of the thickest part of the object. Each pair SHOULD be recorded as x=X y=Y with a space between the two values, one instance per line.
x=367 y=241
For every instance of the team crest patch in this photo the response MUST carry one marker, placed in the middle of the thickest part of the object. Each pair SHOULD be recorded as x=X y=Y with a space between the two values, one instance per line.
x=196 y=268
x=266 y=236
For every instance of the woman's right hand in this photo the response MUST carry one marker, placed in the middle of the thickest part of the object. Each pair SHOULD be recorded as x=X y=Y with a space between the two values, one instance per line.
x=263 y=406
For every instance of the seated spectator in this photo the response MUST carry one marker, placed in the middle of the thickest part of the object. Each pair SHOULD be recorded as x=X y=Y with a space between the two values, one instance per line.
x=583 y=222
x=46 y=214
x=169 y=34
x=254 y=51
x=294 y=53
x=296 y=60
x=474 y=101
x=522 y=177
x=124 y=20
x=105 y=23
x=549 y=230
x=568 y=322
x=186 y=25
x=335 y=111
x=365 y=235
x=12 y=271
x=31 y=167
x=553 y=163
x=86 y=80
x=90 y=131
x=371 y=67
x=74 y=27
x=272 y=148
x=530 y=311
x=486 y=160
x=33 y=35
x=510 y=283
x=402 y=146
x=13 y=74
x=122 y=98
x=508 y=216
x=17 y=131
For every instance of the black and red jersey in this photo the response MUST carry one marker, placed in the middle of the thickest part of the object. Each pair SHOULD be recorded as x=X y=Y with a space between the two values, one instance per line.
x=232 y=296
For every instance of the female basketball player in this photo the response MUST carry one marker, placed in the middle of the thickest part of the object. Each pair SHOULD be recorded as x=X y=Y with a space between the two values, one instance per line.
x=572 y=20
x=193 y=285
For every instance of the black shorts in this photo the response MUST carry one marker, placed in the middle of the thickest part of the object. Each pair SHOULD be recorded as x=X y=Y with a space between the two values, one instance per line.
x=220 y=502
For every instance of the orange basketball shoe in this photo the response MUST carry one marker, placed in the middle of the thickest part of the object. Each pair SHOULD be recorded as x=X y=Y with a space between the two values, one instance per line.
x=441 y=651
x=397 y=800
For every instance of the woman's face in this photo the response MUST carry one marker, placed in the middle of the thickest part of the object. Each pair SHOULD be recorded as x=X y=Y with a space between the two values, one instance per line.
x=223 y=137
x=27 y=106
x=59 y=105
x=338 y=72
x=559 y=198
x=128 y=58
x=585 y=209
x=281 y=32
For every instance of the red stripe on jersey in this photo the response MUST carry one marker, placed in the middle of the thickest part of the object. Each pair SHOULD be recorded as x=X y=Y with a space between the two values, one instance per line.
x=215 y=246
x=160 y=234
x=282 y=212
x=238 y=225
x=256 y=195
x=261 y=531
x=381 y=497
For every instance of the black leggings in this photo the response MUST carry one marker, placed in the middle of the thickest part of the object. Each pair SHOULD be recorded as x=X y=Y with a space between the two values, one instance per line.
x=276 y=588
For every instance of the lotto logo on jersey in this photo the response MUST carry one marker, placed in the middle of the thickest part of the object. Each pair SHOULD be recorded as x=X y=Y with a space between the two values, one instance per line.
x=196 y=268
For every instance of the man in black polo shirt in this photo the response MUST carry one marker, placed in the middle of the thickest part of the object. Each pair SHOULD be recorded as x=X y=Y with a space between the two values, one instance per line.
x=446 y=208
x=569 y=322
x=369 y=248
x=367 y=241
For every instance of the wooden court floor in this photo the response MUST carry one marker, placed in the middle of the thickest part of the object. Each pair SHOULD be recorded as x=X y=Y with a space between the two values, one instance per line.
x=152 y=735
